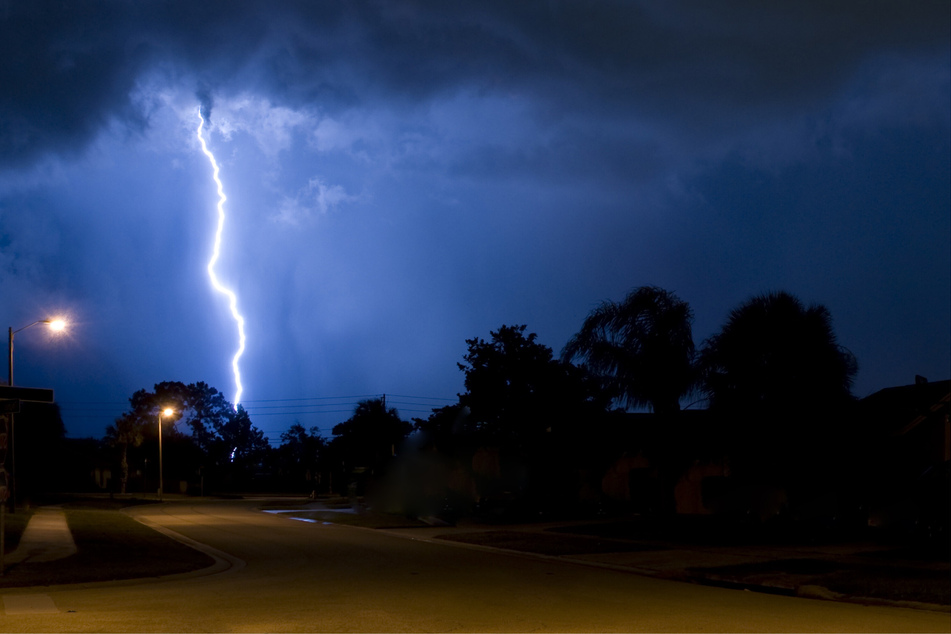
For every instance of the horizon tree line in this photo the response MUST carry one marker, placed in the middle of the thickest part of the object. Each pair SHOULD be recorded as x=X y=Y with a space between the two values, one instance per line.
x=773 y=374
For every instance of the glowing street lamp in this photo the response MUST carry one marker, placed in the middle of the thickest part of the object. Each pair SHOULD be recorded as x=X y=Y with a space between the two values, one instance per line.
x=56 y=325
x=168 y=411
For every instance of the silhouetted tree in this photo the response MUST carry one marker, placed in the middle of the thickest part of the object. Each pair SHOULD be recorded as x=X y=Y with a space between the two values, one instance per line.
x=641 y=347
x=223 y=442
x=516 y=391
x=773 y=353
x=777 y=376
x=508 y=383
x=369 y=439
x=240 y=448
x=126 y=430
x=204 y=407
x=540 y=413
x=167 y=394
x=142 y=418
x=301 y=454
x=447 y=428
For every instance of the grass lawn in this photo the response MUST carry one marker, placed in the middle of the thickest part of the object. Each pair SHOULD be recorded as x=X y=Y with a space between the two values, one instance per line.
x=111 y=545
x=15 y=525
x=851 y=579
x=882 y=582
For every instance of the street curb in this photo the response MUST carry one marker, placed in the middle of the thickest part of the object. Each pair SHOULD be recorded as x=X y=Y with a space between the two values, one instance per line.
x=223 y=561
x=805 y=591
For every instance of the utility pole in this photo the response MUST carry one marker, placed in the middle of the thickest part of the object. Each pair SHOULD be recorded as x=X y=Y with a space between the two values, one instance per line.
x=12 y=483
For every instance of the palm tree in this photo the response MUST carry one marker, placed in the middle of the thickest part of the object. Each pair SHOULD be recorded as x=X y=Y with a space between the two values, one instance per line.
x=779 y=384
x=641 y=347
x=127 y=430
x=774 y=354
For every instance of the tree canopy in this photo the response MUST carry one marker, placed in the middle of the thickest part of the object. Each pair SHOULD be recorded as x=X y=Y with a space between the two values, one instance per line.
x=775 y=354
x=641 y=347
x=537 y=426
x=222 y=438
x=301 y=455
x=779 y=382
x=370 y=437
x=516 y=390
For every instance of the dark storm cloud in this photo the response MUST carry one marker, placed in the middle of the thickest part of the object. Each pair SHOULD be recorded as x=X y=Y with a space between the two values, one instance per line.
x=403 y=175
x=69 y=68
x=206 y=102
x=62 y=73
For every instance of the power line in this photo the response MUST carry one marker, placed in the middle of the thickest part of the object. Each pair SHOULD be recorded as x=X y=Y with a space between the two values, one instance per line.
x=294 y=409
x=313 y=398
x=350 y=397
x=431 y=398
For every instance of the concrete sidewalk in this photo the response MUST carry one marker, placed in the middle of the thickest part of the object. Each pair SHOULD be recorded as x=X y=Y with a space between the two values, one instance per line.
x=46 y=538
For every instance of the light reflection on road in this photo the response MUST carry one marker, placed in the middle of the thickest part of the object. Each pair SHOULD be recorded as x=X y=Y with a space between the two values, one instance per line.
x=295 y=514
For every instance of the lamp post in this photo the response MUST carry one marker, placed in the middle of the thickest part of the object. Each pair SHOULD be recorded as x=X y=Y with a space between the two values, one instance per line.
x=56 y=325
x=168 y=411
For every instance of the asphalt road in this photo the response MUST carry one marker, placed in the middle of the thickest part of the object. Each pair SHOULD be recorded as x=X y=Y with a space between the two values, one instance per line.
x=286 y=575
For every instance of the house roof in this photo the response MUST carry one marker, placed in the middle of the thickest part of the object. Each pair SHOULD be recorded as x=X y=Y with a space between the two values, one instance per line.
x=898 y=410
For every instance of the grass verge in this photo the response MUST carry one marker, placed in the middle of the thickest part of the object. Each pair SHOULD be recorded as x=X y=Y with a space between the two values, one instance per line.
x=110 y=546
x=926 y=586
x=15 y=524
x=854 y=580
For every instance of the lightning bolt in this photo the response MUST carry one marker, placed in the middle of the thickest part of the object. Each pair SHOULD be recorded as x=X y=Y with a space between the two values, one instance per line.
x=218 y=286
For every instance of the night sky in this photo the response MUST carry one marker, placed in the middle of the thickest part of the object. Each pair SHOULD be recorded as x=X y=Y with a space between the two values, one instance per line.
x=402 y=176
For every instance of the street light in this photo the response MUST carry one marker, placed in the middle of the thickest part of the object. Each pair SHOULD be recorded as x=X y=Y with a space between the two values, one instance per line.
x=168 y=411
x=56 y=325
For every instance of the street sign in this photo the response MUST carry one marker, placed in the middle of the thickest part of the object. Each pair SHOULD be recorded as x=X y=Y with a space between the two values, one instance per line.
x=35 y=394
x=10 y=407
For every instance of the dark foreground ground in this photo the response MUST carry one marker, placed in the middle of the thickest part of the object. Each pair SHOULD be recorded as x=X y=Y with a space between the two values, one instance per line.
x=111 y=545
x=863 y=571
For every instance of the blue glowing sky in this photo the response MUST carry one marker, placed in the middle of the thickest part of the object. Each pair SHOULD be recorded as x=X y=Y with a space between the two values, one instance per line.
x=402 y=176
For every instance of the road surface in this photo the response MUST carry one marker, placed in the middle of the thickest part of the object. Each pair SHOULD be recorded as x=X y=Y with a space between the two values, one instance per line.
x=285 y=575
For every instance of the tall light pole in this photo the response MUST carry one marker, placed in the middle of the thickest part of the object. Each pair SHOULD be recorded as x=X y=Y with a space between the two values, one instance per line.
x=168 y=411
x=56 y=325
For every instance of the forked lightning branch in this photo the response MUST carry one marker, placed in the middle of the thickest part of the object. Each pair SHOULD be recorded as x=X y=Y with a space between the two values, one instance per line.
x=216 y=252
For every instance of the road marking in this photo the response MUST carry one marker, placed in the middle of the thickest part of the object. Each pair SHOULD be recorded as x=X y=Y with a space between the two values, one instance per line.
x=29 y=604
